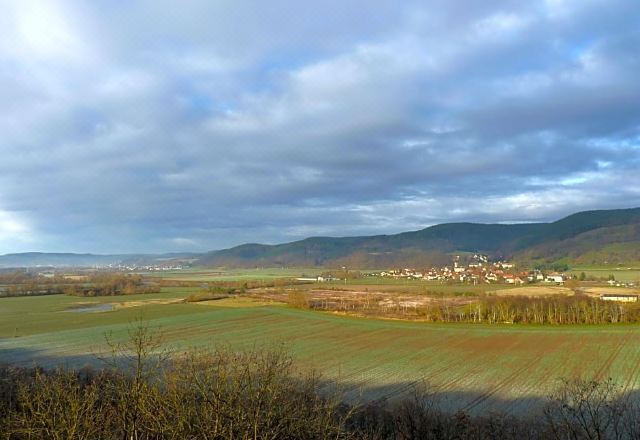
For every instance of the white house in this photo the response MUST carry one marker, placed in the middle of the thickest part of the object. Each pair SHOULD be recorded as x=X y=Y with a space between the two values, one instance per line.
x=555 y=278
x=512 y=279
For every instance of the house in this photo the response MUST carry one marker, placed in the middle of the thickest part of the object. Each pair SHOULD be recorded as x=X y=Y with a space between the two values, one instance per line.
x=491 y=277
x=431 y=275
x=318 y=279
x=555 y=278
x=620 y=297
x=481 y=257
x=512 y=279
x=76 y=277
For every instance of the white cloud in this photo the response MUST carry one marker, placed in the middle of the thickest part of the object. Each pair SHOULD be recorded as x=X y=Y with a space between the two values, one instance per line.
x=10 y=225
x=15 y=232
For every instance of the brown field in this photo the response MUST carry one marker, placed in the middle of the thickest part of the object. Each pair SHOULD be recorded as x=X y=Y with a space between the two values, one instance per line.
x=118 y=305
x=362 y=296
x=238 y=302
x=608 y=289
x=148 y=302
x=533 y=291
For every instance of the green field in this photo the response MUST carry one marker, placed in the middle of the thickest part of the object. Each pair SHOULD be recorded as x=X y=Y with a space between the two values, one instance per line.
x=630 y=274
x=206 y=275
x=480 y=368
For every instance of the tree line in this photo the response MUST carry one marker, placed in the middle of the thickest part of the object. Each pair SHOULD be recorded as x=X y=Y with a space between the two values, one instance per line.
x=553 y=310
x=22 y=283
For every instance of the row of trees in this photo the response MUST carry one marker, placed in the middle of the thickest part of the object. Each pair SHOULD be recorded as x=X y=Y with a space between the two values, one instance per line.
x=22 y=283
x=578 y=309
x=556 y=310
x=261 y=394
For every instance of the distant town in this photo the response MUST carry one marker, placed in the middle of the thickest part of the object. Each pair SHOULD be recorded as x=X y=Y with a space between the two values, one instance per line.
x=480 y=269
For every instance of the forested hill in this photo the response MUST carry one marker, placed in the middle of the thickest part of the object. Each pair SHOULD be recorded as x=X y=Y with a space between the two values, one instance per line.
x=590 y=237
x=593 y=237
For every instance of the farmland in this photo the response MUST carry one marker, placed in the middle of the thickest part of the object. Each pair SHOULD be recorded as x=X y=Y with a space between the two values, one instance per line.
x=234 y=274
x=475 y=367
x=624 y=274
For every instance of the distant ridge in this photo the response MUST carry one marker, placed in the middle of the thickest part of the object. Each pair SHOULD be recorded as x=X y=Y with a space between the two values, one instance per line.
x=589 y=237
x=53 y=259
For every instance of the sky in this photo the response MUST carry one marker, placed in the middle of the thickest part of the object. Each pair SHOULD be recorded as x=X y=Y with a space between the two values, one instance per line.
x=158 y=126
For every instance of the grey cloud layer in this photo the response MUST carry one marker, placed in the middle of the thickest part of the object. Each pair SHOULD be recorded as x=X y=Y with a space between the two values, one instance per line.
x=162 y=126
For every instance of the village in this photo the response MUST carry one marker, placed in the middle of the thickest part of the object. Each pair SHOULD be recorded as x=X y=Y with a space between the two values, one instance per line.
x=477 y=271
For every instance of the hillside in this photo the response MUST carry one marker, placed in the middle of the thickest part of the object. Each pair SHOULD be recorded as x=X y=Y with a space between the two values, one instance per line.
x=595 y=237
x=590 y=237
x=607 y=245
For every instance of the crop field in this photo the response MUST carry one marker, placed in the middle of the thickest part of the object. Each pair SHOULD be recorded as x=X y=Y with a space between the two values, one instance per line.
x=475 y=367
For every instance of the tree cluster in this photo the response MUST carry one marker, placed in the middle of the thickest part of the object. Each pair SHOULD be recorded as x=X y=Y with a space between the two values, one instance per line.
x=23 y=283
x=108 y=284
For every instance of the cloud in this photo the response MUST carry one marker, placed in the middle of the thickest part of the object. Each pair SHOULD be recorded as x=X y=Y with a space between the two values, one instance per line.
x=14 y=229
x=10 y=225
x=159 y=126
